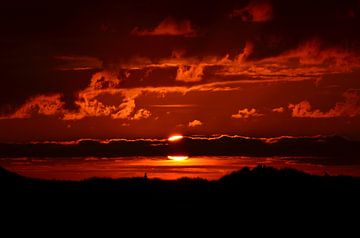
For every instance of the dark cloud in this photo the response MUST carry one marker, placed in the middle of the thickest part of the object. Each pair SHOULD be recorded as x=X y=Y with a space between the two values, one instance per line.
x=323 y=146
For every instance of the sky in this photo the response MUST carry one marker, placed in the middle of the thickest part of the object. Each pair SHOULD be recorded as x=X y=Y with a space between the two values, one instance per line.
x=149 y=69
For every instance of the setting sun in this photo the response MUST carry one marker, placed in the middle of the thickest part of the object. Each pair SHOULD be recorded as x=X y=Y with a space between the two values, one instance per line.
x=178 y=158
x=175 y=138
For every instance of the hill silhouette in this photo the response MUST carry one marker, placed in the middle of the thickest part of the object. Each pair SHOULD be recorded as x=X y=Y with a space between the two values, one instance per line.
x=246 y=184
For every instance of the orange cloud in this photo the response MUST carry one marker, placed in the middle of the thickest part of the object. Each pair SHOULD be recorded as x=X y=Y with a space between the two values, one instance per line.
x=307 y=62
x=195 y=123
x=349 y=108
x=278 y=109
x=141 y=114
x=39 y=105
x=89 y=104
x=247 y=51
x=246 y=113
x=256 y=11
x=104 y=79
x=168 y=27
x=191 y=73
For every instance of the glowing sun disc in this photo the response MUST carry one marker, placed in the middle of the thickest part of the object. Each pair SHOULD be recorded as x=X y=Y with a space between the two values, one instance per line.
x=175 y=138
x=178 y=158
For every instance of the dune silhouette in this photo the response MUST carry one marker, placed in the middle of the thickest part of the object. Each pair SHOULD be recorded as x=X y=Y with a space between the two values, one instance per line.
x=246 y=183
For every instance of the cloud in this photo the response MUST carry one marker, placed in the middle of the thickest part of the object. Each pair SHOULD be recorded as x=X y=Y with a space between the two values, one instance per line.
x=308 y=61
x=168 y=27
x=195 y=123
x=256 y=11
x=246 y=113
x=141 y=114
x=329 y=146
x=191 y=73
x=349 y=108
x=278 y=109
x=39 y=105
x=104 y=79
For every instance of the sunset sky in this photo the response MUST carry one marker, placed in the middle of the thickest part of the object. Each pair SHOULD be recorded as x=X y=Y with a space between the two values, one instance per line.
x=149 y=69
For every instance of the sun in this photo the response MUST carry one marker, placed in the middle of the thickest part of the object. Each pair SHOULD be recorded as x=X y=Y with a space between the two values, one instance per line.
x=178 y=157
x=175 y=138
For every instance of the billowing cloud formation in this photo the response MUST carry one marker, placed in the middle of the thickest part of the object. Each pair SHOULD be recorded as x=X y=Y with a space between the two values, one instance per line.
x=89 y=101
x=278 y=109
x=191 y=73
x=104 y=79
x=246 y=113
x=349 y=108
x=141 y=114
x=40 y=105
x=195 y=123
x=168 y=27
x=256 y=11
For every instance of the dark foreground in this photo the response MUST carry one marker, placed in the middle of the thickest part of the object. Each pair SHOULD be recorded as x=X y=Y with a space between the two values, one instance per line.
x=261 y=184
x=262 y=195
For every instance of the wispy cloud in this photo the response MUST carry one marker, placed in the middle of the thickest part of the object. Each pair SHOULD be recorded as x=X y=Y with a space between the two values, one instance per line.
x=278 y=109
x=141 y=114
x=349 y=108
x=195 y=123
x=192 y=73
x=39 y=105
x=246 y=113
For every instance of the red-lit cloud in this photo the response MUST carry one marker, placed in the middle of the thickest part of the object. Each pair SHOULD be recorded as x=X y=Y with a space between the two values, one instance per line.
x=191 y=73
x=168 y=27
x=256 y=11
x=141 y=114
x=349 y=108
x=278 y=109
x=47 y=105
x=309 y=61
x=246 y=113
x=195 y=123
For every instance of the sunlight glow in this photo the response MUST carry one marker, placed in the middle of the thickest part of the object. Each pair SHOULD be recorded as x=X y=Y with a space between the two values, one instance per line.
x=175 y=138
x=178 y=158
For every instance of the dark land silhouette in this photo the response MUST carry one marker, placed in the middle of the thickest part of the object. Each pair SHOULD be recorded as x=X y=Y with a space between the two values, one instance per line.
x=258 y=184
